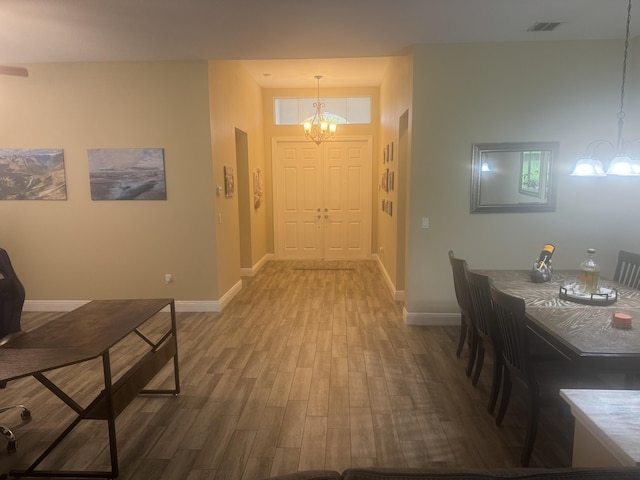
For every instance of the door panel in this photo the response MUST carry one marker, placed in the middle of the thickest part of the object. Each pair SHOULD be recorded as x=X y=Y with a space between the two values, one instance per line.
x=299 y=187
x=322 y=199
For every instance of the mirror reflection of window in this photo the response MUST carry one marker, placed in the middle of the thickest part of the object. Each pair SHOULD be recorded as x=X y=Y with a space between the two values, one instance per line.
x=530 y=169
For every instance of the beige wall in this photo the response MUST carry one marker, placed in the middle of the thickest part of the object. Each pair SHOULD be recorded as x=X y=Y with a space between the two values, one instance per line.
x=395 y=100
x=81 y=249
x=465 y=94
x=456 y=95
x=235 y=102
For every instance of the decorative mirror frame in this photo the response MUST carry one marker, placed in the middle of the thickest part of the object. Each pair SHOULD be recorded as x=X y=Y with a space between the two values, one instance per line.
x=478 y=149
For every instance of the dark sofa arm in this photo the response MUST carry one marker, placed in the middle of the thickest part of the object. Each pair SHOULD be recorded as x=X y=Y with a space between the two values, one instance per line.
x=622 y=473
x=310 y=475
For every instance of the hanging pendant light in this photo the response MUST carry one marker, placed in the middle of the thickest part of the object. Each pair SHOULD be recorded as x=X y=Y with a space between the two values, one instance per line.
x=319 y=128
x=588 y=166
x=621 y=164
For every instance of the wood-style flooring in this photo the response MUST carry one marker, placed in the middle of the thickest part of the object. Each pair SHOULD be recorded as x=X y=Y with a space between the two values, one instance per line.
x=309 y=367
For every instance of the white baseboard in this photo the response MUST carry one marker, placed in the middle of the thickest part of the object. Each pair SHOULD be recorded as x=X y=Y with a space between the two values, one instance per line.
x=398 y=295
x=431 y=319
x=227 y=297
x=250 y=272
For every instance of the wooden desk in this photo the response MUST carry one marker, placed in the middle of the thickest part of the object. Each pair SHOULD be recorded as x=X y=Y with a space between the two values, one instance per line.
x=84 y=334
x=583 y=333
x=607 y=427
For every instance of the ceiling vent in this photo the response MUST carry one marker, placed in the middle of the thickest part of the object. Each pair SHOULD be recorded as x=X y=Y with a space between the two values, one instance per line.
x=544 y=26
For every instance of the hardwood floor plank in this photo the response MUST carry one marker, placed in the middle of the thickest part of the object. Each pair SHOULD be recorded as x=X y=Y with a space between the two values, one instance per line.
x=338 y=449
x=268 y=432
x=362 y=436
x=236 y=455
x=301 y=384
x=293 y=424
x=318 y=405
x=279 y=395
x=285 y=460
x=310 y=366
x=313 y=445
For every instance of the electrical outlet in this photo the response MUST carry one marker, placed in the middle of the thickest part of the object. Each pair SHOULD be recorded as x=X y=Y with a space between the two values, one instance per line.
x=168 y=278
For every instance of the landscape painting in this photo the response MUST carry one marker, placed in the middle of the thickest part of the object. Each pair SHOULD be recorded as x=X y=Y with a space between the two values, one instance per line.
x=127 y=174
x=32 y=174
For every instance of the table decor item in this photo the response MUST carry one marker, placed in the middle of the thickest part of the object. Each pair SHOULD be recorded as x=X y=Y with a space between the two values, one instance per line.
x=589 y=273
x=603 y=296
x=621 y=320
x=542 y=269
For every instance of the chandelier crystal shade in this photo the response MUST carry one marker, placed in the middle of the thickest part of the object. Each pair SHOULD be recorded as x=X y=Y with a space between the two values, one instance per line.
x=319 y=128
x=621 y=164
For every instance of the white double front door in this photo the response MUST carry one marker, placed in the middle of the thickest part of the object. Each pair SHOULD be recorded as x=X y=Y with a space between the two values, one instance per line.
x=322 y=198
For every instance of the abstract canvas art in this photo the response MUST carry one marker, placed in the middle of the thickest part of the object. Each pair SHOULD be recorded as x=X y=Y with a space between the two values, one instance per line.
x=32 y=174
x=127 y=174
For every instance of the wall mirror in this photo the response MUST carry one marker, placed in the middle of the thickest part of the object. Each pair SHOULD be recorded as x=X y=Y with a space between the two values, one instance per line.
x=513 y=177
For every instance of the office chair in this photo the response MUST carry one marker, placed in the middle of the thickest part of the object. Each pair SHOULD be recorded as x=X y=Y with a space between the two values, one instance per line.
x=12 y=296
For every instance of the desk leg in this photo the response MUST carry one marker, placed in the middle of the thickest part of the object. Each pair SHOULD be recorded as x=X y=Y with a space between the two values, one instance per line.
x=111 y=425
x=111 y=416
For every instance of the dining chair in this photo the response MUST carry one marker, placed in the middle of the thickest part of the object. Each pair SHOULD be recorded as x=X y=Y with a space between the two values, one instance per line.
x=628 y=269
x=522 y=363
x=627 y=273
x=12 y=295
x=467 y=329
x=487 y=331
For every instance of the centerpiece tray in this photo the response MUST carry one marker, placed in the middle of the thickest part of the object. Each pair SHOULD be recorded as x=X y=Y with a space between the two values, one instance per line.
x=604 y=296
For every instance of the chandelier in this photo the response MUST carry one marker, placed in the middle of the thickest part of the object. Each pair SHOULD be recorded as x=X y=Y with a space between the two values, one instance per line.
x=621 y=164
x=319 y=128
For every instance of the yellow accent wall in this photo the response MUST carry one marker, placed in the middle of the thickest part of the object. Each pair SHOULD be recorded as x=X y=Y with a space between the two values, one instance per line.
x=236 y=103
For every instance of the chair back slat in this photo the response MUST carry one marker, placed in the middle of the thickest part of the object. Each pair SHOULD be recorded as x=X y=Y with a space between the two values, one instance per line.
x=480 y=295
x=458 y=267
x=628 y=269
x=511 y=321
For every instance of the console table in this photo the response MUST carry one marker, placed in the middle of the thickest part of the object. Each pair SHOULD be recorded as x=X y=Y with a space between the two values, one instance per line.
x=84 y=334
x=607 y=427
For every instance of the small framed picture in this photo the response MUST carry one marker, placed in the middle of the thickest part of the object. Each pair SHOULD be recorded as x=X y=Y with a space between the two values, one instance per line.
x=229 y=183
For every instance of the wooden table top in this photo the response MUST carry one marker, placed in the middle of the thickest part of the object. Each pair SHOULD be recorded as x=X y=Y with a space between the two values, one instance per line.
x=82 y=334
x=582 y=332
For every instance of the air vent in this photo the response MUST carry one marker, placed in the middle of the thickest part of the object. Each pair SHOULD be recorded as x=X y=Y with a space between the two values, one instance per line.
x=543 y=26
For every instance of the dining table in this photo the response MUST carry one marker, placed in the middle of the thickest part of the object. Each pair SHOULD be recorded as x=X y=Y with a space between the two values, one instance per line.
x=581 y=330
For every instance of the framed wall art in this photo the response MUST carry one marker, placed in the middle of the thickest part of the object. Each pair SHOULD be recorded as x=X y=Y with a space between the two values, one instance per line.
x=32 y=174
x=127 y=174
x=229 y=182
x=257 y=188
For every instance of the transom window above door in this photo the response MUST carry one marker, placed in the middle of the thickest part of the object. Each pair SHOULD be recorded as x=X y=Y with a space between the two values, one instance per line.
x=294 y=111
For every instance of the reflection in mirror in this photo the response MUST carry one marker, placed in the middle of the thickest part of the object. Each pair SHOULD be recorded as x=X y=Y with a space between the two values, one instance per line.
x=513 y=177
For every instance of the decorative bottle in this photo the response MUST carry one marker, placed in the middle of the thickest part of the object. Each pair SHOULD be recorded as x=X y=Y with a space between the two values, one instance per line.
x=541 y=271
x=544 y=259
x=589 y=274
